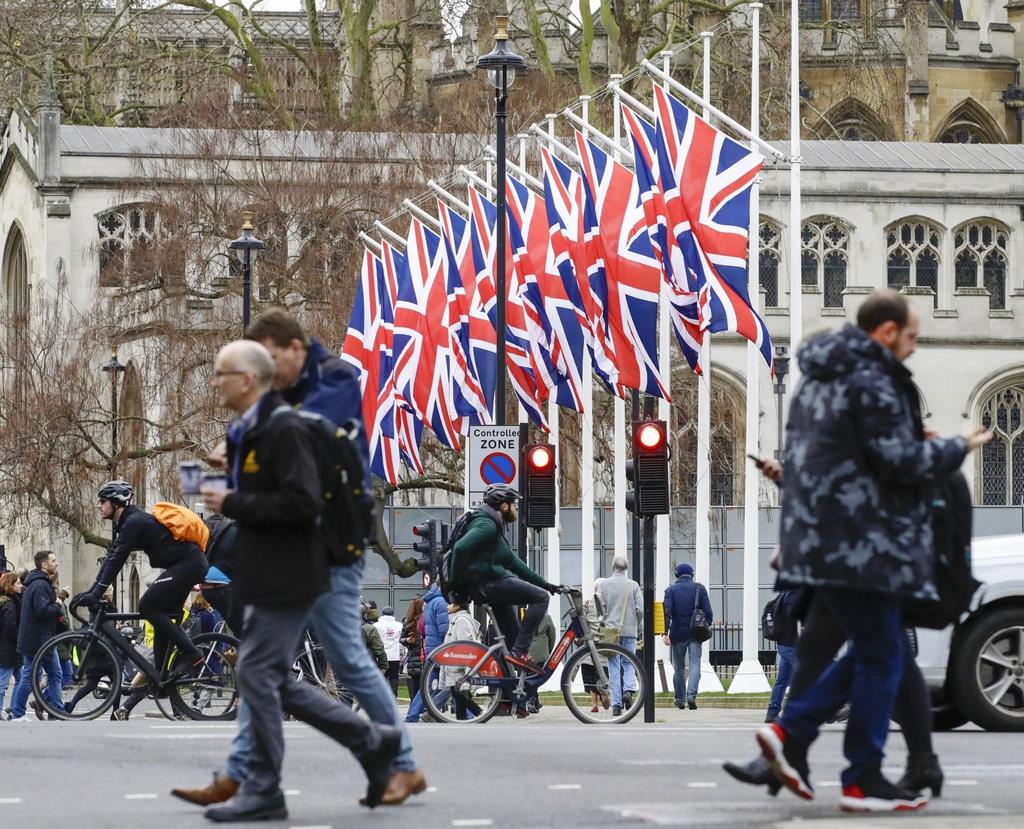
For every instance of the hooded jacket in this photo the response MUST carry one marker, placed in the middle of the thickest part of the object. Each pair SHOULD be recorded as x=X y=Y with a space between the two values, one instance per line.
x=483 y=554
x=435 y=618
x=681 y=599
x=10 y=620
x=39 y=612
x=855 y=505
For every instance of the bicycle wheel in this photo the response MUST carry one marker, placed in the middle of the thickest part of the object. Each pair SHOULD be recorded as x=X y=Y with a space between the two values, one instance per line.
x=209 y=692
x=311 y=666
x=96 y=665
x=477 y=699
x=587 y=690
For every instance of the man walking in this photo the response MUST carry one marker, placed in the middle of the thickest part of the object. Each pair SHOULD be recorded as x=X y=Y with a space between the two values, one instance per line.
x=785 y=618
x=681 y=599
x=856 y=525
x=390 y=630
x=623 y=606
x=275 y=498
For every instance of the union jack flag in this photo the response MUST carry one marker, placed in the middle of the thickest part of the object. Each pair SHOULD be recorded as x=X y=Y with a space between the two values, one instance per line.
x=408 y=427
x=556 y=338
x=683 y=299
x=706 y=177
x=625 y=275
x=470 y=398
x=483 y=222
x=422 y=347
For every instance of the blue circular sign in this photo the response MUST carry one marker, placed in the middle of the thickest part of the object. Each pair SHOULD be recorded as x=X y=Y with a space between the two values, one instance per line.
x=497 y=468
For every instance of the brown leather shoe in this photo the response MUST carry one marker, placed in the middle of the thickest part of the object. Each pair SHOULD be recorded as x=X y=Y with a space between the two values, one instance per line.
x=401 y=786
x=221 y=789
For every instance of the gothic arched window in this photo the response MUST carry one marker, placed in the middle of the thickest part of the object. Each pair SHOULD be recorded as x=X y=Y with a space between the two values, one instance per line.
x=769 y=257
x=825 y=244
x=124 y=233
x=912 y=255
x=1001 y=466
x=982 y=246
x=15 y=274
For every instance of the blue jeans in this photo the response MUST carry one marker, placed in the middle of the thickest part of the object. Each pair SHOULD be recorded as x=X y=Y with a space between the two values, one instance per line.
x=868 y=676
x=67 y=672
x=5 y=679
x=54 y=675
x=685 y=690
x=786 y=658
x=338 y=624
x=621 y=673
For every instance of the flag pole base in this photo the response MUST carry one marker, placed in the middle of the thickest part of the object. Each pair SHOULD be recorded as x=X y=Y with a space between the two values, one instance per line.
x=749 y=679
x=709 y=680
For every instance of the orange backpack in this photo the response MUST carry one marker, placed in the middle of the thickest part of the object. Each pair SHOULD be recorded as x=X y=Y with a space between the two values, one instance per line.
x=182 y=523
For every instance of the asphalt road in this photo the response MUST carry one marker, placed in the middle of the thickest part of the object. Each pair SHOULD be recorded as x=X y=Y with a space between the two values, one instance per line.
x=548 y=771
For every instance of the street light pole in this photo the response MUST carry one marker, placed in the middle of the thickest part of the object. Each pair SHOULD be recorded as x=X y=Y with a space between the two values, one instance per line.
x=781 y=370
x=114 y=367
x=501 y=65
x=248 y=246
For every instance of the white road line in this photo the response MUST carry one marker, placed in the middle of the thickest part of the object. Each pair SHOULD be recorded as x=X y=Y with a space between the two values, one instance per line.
x=10 y=800
x=323 y=826
x=291 y=792
x=473 y=821
x=564 y=787
x=701 y=785
x=431 y=789
x=149 y=796
x=826 y=784
x=961 y=782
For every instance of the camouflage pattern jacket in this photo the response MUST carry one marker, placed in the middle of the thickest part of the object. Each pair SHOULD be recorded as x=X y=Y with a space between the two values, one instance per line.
x=855 y=504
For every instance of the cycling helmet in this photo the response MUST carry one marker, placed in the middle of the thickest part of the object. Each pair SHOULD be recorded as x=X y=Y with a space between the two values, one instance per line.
x=497 y=494
x=119 y=493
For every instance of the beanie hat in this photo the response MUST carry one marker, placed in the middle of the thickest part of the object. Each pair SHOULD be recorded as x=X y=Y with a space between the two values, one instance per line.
x=684 y=569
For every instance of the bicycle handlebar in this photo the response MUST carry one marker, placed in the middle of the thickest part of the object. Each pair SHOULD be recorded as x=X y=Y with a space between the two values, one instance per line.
x=73 y=610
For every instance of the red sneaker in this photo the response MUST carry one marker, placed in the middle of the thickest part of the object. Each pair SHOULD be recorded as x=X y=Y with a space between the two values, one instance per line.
x=787 y=759
x=873 y=793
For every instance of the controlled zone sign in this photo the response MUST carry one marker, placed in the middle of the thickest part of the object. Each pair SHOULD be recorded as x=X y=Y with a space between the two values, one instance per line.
x=492 y=458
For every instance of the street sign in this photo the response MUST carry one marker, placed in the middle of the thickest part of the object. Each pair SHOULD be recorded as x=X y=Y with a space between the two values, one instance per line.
x=491 y=458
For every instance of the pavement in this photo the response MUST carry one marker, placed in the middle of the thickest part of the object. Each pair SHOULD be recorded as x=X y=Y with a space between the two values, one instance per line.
x=547 y=771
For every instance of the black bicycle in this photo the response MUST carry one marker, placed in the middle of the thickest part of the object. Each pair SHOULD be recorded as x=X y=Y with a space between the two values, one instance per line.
x=98 y=653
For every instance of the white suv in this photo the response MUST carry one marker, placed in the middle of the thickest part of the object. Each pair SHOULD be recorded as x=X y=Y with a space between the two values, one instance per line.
x=975 y=669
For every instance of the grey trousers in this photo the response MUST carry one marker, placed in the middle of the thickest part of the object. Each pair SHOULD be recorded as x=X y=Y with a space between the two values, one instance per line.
x=268 y=686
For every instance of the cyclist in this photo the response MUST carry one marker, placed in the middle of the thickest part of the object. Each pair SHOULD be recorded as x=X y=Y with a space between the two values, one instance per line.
x=484 y=565
x=183 y=563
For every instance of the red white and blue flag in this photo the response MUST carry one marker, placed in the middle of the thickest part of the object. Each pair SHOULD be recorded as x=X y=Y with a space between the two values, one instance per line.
x=624 y=272
x=706 y=177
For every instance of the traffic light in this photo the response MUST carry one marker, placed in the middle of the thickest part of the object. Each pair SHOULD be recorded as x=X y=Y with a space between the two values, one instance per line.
x=540 y=490
x=427 y=533
x=648 y=470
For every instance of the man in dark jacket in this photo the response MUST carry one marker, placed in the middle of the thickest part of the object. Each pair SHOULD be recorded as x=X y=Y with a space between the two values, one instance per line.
x=39 y=612
x=483 y=562
x=786 y=630
x=275 y=498
x=856 y=525
x=681 y=599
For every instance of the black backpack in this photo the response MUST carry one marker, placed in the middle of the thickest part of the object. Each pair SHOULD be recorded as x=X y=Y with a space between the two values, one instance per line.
x=951 y=570
x=769 y=628
x=348 y=520
x=444 y=571
x=776 y=620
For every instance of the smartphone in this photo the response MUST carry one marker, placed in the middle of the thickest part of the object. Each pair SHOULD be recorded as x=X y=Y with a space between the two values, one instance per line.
x=757 y=461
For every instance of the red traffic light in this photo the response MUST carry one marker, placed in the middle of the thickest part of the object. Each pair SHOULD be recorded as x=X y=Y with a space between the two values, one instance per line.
x=650 y=436
x=422 y=530
x=540 y=458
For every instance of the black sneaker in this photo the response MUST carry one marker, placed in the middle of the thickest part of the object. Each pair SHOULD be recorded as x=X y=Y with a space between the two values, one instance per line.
x=691 y=703
x=787 y=758
x=873 y=793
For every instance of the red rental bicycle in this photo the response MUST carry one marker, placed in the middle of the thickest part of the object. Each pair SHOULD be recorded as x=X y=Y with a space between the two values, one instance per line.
x=467 y=682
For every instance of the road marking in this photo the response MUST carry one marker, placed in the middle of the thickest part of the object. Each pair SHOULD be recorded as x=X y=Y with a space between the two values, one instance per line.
x=8 y=800
x=430 y=789
x=701 y=785
x=291 y=792
x=322 y=826
x=149 y=796
x=961 y=782
x=473 y=821
x=564 y=787
x=826 y=784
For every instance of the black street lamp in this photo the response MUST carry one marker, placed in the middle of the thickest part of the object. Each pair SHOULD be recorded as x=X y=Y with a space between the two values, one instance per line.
x=248 y=246
x=501 y=65
x=114 y=367
x=781 y=370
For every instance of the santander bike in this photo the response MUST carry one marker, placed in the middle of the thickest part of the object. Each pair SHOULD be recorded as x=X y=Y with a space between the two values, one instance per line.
x=465 y=681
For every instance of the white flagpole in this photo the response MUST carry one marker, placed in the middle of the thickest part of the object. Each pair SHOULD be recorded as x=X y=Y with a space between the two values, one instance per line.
x=796 y=298
x=662 y=543
x=620 y=516
x=702 y=559
x=750 y=677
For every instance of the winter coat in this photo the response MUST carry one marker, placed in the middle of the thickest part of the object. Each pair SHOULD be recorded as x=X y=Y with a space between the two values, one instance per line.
x=276 y=502
x=855 y=505
x=679 y=607
x=375 y=646
x=39 y=612
x=615 y=591
x=10 y=611
x=483 y=554
x=411 y=640
x=435 y=618
x=461 y=626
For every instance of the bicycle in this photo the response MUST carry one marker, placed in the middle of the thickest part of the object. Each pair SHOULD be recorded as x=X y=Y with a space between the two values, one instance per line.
x=311 y=665
x=479 y=680
x=99 y=652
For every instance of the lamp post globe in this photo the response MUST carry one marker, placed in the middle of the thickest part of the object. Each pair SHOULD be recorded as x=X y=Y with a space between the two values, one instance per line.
x=247 y=246
x=501 y=65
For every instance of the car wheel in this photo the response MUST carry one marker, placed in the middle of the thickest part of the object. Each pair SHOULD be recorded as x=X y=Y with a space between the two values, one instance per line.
x=988 y=671
x=946 y=718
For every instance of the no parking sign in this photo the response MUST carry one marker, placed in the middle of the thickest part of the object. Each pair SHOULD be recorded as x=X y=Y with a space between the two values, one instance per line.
x=492 y=458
